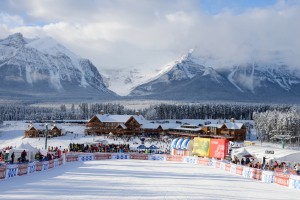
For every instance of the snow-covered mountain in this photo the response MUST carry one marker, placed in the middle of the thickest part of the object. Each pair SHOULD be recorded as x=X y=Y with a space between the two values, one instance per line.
x=42 y=68
x=122 y=81
x=190 y=78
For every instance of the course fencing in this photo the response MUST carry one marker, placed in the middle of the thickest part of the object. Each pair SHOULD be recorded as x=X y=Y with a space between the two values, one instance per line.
x=287 y=180
x=8 y=171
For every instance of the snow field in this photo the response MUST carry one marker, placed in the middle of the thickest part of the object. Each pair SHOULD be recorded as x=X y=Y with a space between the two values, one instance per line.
x=139 y=179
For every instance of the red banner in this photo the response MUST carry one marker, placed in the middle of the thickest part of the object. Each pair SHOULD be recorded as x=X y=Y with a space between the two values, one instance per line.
x=51 y=164
x=218 y=148
x=256 y=174
x=139 y=156
x=174 y=158
x=102 y=156
x=239 y=170
x=71 y=158
x=282 y=179
x=22 y=169
x=39 y=166
x=2 y=172
x=227 y=167
x=203 y=161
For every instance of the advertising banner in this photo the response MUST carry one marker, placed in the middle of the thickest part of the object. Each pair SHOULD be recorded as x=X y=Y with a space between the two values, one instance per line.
x=218 y=148
x=201 y=146
x=139 y=156
x=294 y=182
x=174 y=158
x=2 y=172
x=239 y=170
x=268 y=176
x=22 y=169
x=282 y=179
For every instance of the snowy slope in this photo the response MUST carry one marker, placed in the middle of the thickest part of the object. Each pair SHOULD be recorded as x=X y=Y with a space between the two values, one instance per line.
x=122 y=81
x=139 y=179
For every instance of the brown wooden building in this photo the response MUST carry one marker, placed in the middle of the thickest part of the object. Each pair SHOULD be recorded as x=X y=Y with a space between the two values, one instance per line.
x=186 y=130
x=53 y=131
x=231 y=130
x=116 y=124
x=31 y=131
x=137 y=125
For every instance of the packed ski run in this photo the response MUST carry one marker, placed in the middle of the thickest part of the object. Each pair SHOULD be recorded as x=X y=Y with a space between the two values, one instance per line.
x=137 y=179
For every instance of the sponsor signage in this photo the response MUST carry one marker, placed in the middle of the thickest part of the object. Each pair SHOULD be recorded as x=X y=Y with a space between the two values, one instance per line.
x=218 y=148
x=269 y=152
x=201 y=146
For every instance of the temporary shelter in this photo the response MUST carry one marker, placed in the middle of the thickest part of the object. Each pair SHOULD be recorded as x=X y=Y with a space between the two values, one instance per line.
x=30 y=150
x=239 y=153
x=153 y=147
x=181 y=146
x=142 y=147
x=270 y=153
x=283 y=155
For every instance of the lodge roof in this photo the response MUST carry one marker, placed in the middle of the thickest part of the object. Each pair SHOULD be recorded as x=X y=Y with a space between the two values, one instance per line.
x=120 y=118
x=214 y=125
x=233 y=125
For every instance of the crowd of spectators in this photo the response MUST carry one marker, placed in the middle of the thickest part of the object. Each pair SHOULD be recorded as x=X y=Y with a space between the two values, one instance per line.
x=112 y=148
x=271 y=165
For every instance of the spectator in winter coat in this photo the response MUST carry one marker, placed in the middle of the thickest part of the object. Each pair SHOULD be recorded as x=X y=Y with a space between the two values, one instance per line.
x=242 y=161
x=12 y=157
x=297 y=168
x=247 y=160
x=264 y=162
x=23 y=156
x=275 y=165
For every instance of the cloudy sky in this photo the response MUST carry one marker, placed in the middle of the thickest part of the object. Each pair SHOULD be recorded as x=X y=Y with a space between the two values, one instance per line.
x=147 y=34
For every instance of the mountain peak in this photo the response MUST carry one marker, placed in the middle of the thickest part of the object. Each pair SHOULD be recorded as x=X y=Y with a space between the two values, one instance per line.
x=16 y=40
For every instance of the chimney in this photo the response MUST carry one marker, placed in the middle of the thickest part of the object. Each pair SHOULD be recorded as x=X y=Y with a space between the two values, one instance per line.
x=232 y=120
x=137 y=112
x=102 y=112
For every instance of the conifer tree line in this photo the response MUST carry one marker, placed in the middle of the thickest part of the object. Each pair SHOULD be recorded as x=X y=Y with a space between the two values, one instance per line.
x=84 y=111
x=275 y=125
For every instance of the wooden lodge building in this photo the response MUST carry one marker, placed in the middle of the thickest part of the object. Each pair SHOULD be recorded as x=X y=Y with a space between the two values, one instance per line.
x=121 y=125
x=231 y=130
x=32 y=131
x=186 y=130
x=104 y=124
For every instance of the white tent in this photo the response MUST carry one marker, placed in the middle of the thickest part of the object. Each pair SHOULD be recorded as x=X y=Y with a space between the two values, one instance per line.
x=239 y=153
x=31 y=151
x=282 y=155
x=28 y=146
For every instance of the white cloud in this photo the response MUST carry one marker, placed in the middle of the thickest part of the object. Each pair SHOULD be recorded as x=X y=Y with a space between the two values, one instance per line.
x=11 y=20
x=148 y=34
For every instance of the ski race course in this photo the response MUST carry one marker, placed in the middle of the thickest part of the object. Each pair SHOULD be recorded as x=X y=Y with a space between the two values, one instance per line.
x=139 y=179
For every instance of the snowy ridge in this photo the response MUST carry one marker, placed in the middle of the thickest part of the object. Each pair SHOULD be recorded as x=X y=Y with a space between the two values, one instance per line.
x=43 y=64
x=191 y=77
